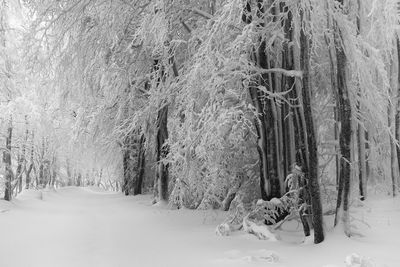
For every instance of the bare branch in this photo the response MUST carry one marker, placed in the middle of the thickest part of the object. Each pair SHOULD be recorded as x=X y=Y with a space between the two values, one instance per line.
x=187 y=28
x=289 y=73
x=201 y=13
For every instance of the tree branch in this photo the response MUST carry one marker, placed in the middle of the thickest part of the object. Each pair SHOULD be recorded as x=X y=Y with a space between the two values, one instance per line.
x=289 y=73
x=201 y=13
x=187 y=28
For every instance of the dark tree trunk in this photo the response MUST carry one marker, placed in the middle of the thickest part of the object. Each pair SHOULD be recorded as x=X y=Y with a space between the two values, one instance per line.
x=397 y=118
x=79 y=180
x=295 y=136
x=361 y=162
x=8 y=166
x=336 y=133
x=286 y=84
x=37 y=179
x=18 y=173
x=392 y=107
x=28 y=171
x=28 y=176
x=266 y=121
x=271 y=180
x=41 y=174
x=262 y=148
x=126 y=159
x=128 y=163
x=367 y=166
x=344 y=110
x=42 y=178
x=133 y=163
x=53 y=172
x=161 y=153
x=276 y=181
x=312 y=171
x=140 y=167
x=162 y=150
x=360 y=130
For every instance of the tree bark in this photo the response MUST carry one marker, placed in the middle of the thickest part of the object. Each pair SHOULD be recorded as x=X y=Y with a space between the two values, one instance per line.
x=392 y=107
x=362 y=170
x=41 y=174
x=162 y=151
x=79 y=180
x=344 y=111
x=31 y=165
x=397 y=118
x=311 y=138
x=125 y=162
x=262 y=148
x=7 y=162
x=128 y=163
x=140 y=167
x=53 y=172
x=267 y=120
x=361 y=162
x=42 y=178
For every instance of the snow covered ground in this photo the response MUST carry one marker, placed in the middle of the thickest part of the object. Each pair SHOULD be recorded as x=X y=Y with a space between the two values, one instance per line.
x=86 y=227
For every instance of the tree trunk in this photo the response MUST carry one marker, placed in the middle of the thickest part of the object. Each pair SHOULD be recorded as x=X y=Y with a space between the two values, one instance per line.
x=21 y=160
x=42 y=178
x=41 y=174
x=360 y=130
x=7 y=162
x=127 y=167
x=18 y=173
x=288 y=139
x=397 y=118
x=262 y=148
x=311 y=138
x=69 y=174
x=336 y=134
x=344 y=111
x=161 y=153
x=53 y=171
x=295 y=135
x=266 y=121
x=361 y=162
x=79 y=180
x=162 y=149
x=392 y=107
x=140 y=167
x=28 y=172
x=28 y=176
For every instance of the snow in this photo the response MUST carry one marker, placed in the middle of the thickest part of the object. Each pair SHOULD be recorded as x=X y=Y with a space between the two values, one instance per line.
x=260 y=231
x=88 y=227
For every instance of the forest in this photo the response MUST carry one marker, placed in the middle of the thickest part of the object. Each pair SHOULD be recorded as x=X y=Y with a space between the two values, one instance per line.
x=265 y=113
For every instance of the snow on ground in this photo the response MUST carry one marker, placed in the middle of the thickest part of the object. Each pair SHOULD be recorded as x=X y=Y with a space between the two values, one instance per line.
x=85 y=227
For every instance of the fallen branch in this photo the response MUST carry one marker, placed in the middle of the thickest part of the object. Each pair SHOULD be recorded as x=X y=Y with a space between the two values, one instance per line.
x=201 y=13
x=187 y=28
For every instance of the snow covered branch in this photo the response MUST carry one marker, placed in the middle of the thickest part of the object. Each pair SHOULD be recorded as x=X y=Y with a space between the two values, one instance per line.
x=289 y=73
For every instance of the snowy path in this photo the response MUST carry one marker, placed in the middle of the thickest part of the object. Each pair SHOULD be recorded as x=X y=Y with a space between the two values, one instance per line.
x=77 y=227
